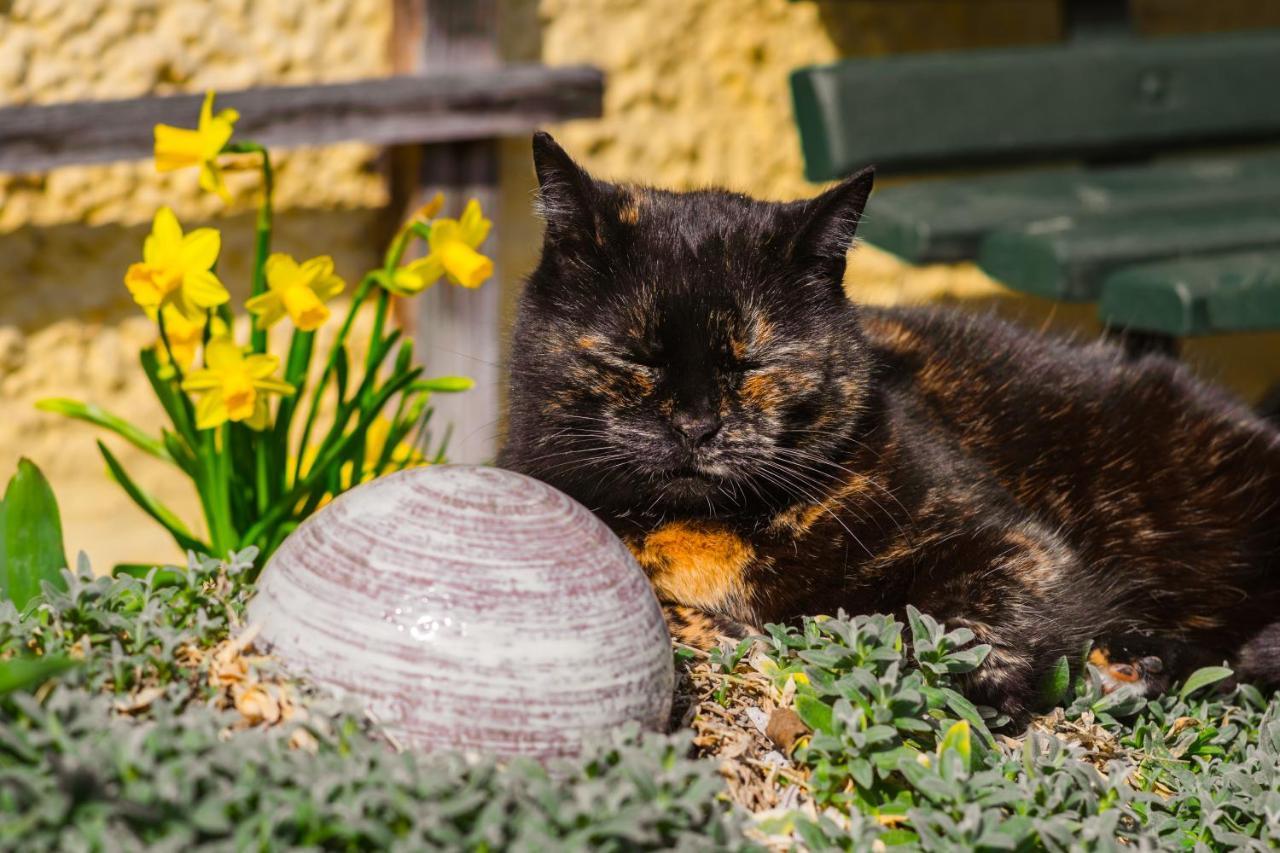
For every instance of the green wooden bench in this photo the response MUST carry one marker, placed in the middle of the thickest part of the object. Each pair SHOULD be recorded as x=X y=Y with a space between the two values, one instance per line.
x=1136 y=213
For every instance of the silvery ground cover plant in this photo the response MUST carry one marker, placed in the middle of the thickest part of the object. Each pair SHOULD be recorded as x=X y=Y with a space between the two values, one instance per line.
x=163 y=728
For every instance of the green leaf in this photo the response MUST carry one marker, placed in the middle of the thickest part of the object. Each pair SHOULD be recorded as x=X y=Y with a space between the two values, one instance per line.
x=965 y=710
x=152 y=507
x=163 y=576
x=33 y=550
x=1203 y=677
x=98 y=417
x=920 y=633
x=19 y=673
x=815 y=713
x=1054 y=684
x=957 y=740
x=445 y=384
x=174 y=402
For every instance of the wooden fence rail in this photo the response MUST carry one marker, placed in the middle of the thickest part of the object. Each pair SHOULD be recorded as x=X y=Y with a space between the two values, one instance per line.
x=435 y=107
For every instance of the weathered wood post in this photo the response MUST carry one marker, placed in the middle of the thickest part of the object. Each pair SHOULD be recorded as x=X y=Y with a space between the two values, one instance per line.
x=457 y=331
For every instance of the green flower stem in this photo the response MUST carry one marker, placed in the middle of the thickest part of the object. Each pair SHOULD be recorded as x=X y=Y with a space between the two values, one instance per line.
x=164 y=339
x=295 y=373
x=258 y=337
x=217 y=475
x=379 y=323
x=282 y=507
x=210 y=483
x=362 y=291
x=262 y=235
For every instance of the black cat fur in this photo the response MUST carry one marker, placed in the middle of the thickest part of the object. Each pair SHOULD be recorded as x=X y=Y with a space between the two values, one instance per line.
x=688 y=366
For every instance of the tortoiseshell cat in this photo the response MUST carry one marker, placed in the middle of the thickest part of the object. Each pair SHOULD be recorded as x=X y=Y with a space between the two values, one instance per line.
x=687 y=365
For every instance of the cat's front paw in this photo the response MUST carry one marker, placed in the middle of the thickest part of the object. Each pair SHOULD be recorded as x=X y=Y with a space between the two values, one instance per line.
x=1145 y=674
x=701 y=630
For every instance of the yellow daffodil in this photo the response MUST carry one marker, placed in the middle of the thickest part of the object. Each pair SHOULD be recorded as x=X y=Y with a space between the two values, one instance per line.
x=299 y=290
x=425 y=213
x=234 y=386
x=175 y=270
x=452 y=244
x=181 y=147
x=185 y=337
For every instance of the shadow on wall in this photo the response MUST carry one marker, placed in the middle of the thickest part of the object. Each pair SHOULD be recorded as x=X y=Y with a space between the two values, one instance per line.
x=871 y=28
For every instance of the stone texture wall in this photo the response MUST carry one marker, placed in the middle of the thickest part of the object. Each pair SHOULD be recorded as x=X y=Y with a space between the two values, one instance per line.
x=67 y=324
x=696 y=94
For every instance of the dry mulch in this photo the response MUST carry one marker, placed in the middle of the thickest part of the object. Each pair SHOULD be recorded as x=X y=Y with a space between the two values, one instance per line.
x=749 y=727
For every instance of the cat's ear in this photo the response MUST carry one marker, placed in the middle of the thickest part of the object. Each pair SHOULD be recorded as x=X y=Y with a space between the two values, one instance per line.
x=829 y=222
x=566 y=193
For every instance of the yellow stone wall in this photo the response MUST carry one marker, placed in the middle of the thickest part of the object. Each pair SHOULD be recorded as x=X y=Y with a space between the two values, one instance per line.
x=67 y=325
x=696 y=94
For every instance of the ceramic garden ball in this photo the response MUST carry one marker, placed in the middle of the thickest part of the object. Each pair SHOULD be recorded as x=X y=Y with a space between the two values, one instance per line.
x=470 y=608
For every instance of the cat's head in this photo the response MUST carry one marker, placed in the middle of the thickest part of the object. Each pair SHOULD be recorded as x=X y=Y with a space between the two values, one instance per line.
x=685 y=351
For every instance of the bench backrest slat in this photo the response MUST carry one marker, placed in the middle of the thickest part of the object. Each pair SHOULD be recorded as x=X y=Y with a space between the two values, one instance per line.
x=1096 y=98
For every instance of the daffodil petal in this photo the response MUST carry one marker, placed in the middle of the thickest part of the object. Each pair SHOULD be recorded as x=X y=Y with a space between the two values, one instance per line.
x=473 y=227
x=431 y=208
x=429 y=269
x=200 y=249
x=316 y=269
x=149 y=249
x=329 y=287
x=141 y=285
x=260 y=366
x=213 y=137
x=166 y=232
x=274 y=386
x=443 y=231
x=222 y=354
x=202 y=288
x=281 y=270
x=206 y=108
x=211 y=410
x=267 y=307
x=201 y=380
x=211 y=180
x=176 y=148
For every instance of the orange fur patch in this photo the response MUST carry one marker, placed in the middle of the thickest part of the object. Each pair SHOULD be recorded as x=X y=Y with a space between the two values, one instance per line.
x=698 y=564
x=761 y=391
x=629 y=210
x=797 y=519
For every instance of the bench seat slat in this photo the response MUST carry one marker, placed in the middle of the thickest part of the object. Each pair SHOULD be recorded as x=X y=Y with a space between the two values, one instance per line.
x=1195 y=296
x=1067 y=258
x=945 y=220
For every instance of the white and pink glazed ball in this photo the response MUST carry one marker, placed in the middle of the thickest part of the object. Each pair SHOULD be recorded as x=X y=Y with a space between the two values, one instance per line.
x=470 y=608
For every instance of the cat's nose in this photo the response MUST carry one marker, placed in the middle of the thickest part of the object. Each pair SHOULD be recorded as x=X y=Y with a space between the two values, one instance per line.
x=696 y=429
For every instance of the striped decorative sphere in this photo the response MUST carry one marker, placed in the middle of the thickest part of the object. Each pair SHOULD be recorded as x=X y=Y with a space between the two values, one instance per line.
x=470 y=608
